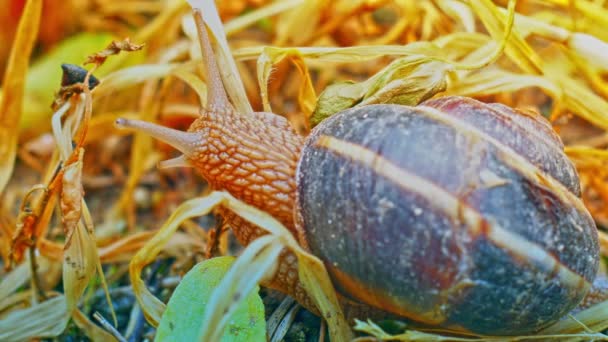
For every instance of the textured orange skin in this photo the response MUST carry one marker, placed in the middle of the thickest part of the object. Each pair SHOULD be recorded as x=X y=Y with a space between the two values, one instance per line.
x=254 y=157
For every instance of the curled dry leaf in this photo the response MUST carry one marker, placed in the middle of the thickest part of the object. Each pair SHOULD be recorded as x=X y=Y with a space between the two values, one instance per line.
x=114 y=48
x=71 y=198
x=32 y=221
x=306 y=94
x=406 y=81
x=79 y=250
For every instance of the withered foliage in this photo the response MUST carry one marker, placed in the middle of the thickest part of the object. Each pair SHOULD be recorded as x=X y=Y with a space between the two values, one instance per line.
x=114 y=48
x=77 y=194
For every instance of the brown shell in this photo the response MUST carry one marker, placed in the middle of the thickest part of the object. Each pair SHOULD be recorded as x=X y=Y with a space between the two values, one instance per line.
x=453 y=213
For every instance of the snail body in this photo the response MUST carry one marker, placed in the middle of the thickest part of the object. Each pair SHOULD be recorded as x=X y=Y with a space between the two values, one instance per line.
x=454 y=213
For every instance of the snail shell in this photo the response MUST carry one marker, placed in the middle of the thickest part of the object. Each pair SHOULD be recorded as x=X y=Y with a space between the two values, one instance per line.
x=454 y=213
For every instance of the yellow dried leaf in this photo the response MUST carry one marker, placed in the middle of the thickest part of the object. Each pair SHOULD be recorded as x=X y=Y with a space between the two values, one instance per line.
x=131 y=76
x=374 y=330
x=13 y=87
x=457 y=9
x=270 y=56
x=351 y=54
x=79 y=265
x=254 y=16
x=16 y=278
x=194 y=82
x=79 y=257
x=71 y=198
x=7 y=225
x=495 y=81
x=594 y=51
x=518 y=50
x=32 y=223
x=582 y=101
x=297 y=25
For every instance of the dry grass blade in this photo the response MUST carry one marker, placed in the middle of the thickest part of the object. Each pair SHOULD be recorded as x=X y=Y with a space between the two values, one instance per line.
x=13 y=87
x=592 y=49
x=45 y=319
x=594 y=318
x=194 y=82
x=15 y=279
x=131 y=76
x=590 y=9
x=152 y=306
x=503 y=41
x=496 y=81
x=457 y=9
x=275 y=319
x=352 y=54
x=517 y=48
x=107 y=326
x=79 y=252
x=227 y=67
x=270 y=56
x=286 y=320
x=124 y=249
x=583 y=102
x=71 y=197
x=243 y=21
x=373 y=329
x=297 y=26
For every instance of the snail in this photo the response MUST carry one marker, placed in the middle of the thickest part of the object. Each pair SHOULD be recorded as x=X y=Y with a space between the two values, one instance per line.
x=452 y=213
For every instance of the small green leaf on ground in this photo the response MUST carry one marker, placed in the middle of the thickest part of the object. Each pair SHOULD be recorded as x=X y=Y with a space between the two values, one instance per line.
x=181 y=321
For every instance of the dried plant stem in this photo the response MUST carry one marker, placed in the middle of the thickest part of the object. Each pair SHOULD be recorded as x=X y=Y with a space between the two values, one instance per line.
x=38 y=290
x=501 y=46
x=108 y=327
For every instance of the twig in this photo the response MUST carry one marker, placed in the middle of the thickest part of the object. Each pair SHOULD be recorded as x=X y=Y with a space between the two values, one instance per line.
x=136 y=323
x=108 y=327
x=33 y=268
x=322 y=331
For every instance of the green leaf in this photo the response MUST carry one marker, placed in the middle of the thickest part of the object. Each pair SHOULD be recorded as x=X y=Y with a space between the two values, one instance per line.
x=181 y=321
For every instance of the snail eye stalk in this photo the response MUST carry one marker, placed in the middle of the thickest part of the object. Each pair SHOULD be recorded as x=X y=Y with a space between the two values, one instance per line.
x=184 y=142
